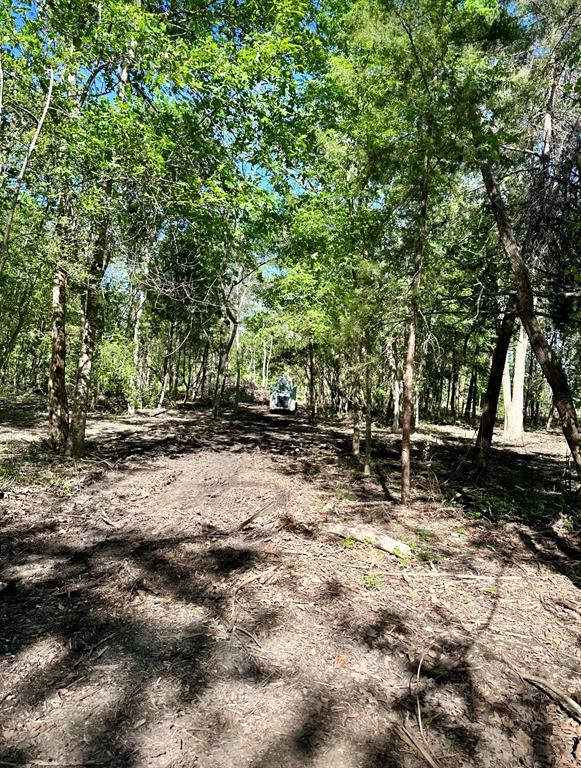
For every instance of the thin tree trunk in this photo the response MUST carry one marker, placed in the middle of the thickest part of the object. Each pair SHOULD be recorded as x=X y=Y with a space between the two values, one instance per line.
x=439 y=396
x=416 y=415
x=268 y=357
x=367 y=465
x=529 y=403
x=222 y=363
x=408 y=378
x=175 y=371
x=264 y=377
x=89 y=330
x=137 y=399
x=164 y=384
x=471 y=398
x=506 y=393
x=488 y=416
x=454 y=390
x=238 y=366
x=312 y=402
x=396 y=402
x=58 y=408
x=356 y=437
x=550 y=365
x=166 y=367
x=191 y=381
x=514 y=394
x=203 y=371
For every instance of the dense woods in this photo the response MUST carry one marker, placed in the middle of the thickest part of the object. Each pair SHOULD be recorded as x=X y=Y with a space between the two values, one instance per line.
x=379 y=198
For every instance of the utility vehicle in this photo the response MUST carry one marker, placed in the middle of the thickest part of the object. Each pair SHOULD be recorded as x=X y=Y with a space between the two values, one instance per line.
x=283 y=396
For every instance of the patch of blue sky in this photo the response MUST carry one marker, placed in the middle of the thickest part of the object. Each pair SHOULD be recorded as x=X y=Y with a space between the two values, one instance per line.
x=117 y=274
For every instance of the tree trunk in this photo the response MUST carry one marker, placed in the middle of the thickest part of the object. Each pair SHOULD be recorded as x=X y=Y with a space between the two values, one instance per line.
x=471 y=398
x=490 y=405
x=408 y=378
x=312 y=403
x=396 y=402
x=367 y=465
x=513 y=394
x=439 y=396
x=191 y=364
x=264 y=373
x=506 y=391
x=454 y=390
x=89 y=330
x=58 y=408
x=416 y=396
x=550 y=365
x=203 y=371
x=356 y=440
x=137 y=397
x=164 y=384
x=221 y=372
x=238 y=366
x=175 y=367
x=268 y=361
x=529 y=403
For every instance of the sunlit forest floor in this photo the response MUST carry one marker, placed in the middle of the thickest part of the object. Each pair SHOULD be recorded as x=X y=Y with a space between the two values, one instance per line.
x=141 y=625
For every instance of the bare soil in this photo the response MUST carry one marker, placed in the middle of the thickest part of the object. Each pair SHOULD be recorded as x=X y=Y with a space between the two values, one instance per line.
x=140 y=626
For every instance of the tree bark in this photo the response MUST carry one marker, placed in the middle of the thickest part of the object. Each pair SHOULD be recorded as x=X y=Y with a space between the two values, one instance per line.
x=221 y=372
x=238 y=365
x=356 y=439
x=264 y=374
x=367 y=465
x=267 y=368
x=203 y=372
x=550 y=365
x=488 y=416
x=471 y=397
x=529 y=403
x=137 y=397
x=58 y=408
x=454 y=389
x=395 y=425
x=89 y=331
x=513 y=392
x=223 y=360
x=312 y=401
x=408 y=378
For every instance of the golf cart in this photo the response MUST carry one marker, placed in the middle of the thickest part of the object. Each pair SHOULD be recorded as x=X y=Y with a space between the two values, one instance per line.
x=283 y=396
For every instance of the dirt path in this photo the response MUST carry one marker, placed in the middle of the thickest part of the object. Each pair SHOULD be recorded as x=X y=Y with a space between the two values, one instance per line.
x=139 y=627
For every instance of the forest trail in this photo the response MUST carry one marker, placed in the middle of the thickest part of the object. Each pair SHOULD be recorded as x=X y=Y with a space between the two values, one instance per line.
x=139 y=627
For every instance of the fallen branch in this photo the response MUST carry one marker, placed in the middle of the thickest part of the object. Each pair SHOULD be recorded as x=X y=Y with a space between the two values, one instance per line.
x=368 y=535
x=434 y=574
x=236 y=628
x=461 y=576
x=423 y=751
x=253 y=517
x=566 y=702
x=93 y=649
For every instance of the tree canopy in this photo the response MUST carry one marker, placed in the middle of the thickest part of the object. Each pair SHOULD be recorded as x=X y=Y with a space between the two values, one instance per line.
x=372 y=196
